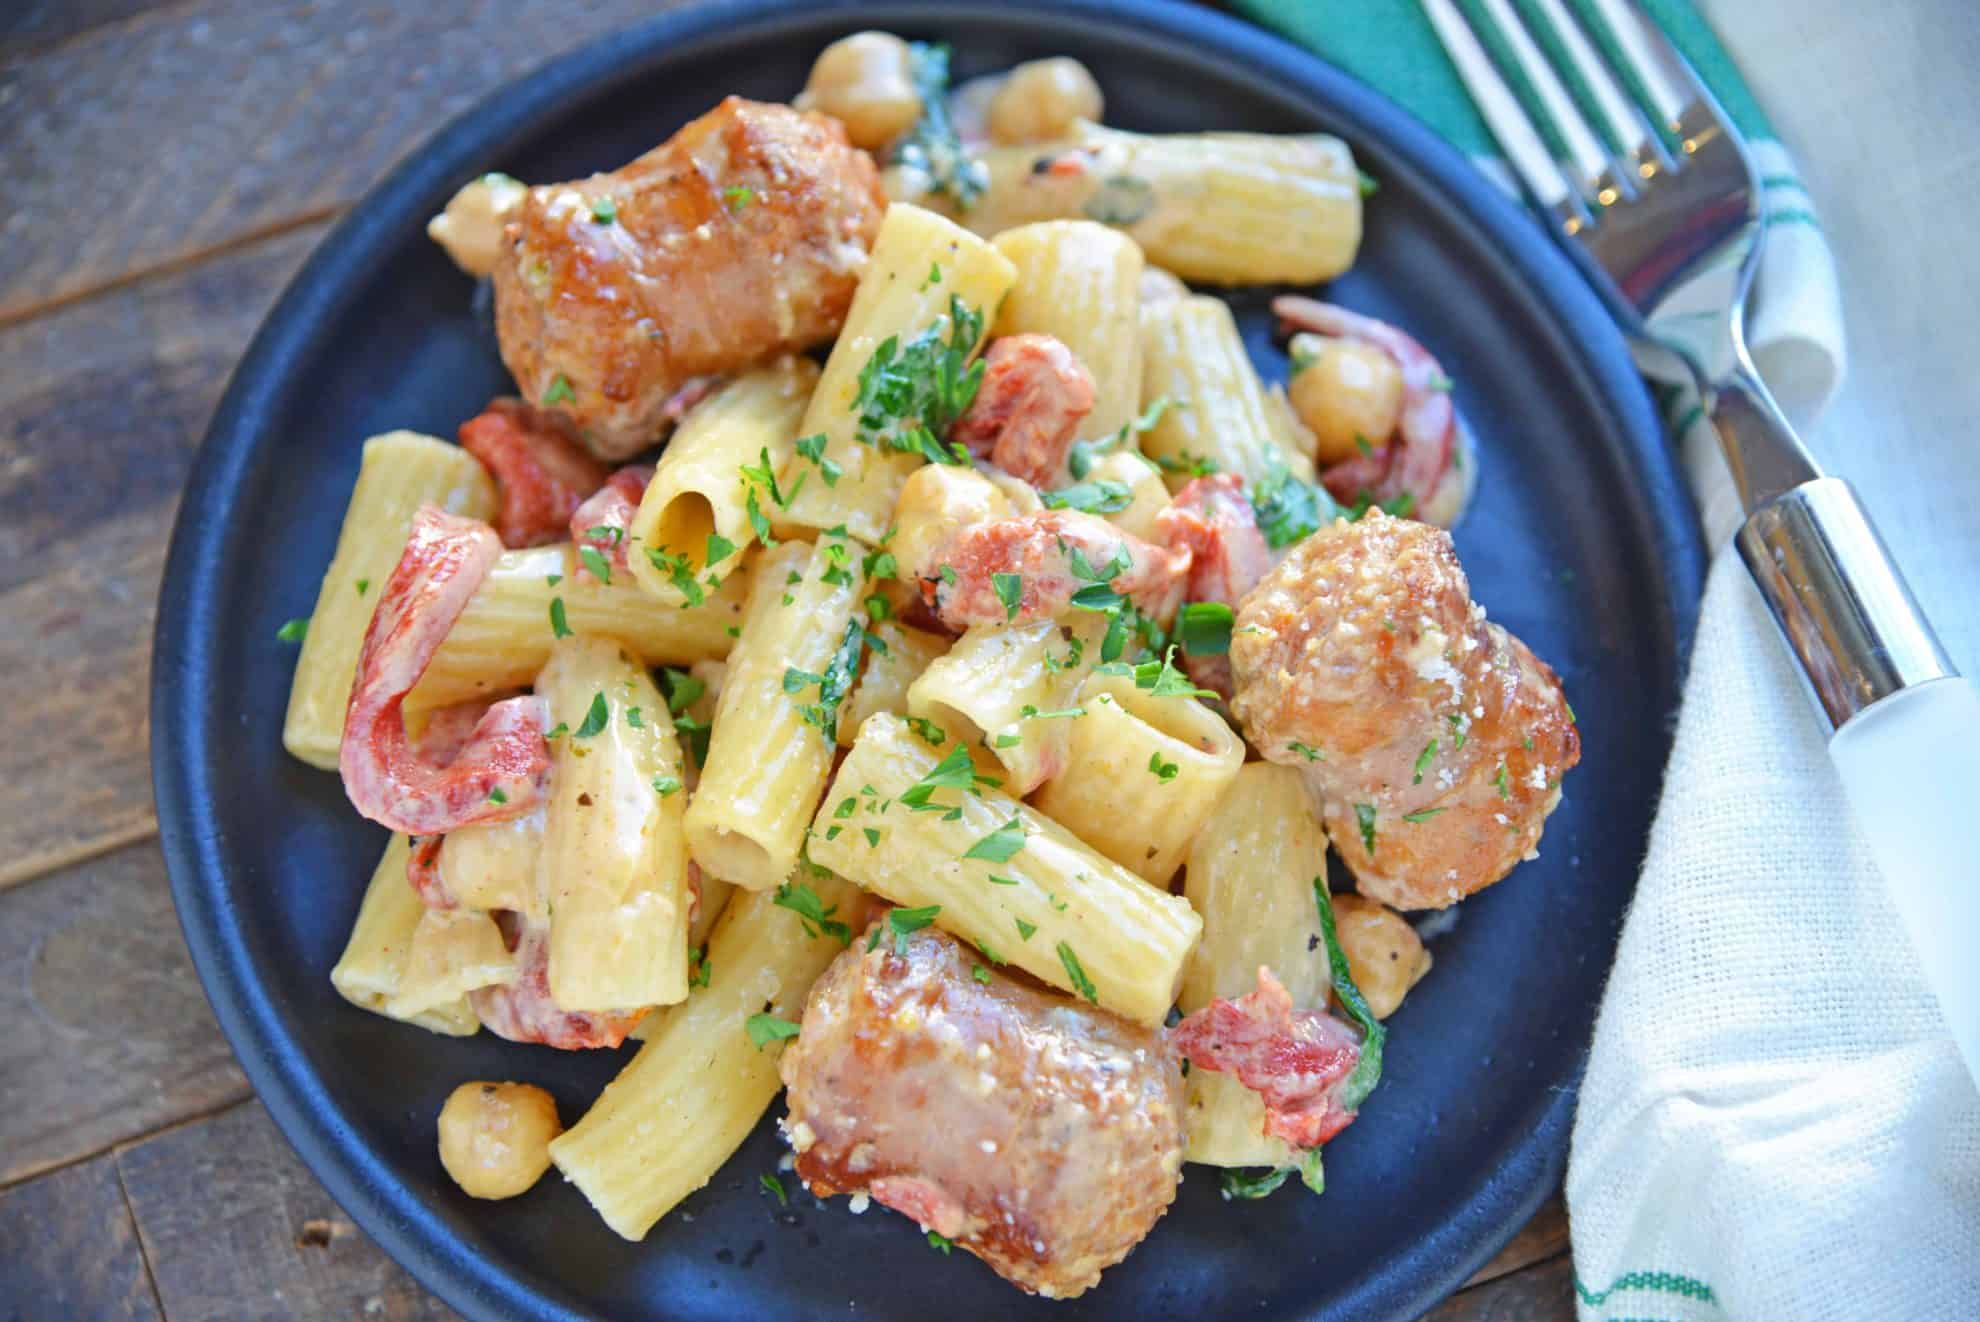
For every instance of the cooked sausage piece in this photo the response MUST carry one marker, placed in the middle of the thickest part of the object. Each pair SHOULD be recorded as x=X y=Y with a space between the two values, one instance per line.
x=1028 y=567
x=1041 y=1134
x=739 y=238
x=1436 y=741
x=540 y=473
x=1028 y=409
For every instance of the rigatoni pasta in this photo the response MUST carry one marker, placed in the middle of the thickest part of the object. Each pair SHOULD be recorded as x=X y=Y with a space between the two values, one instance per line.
x=1221 y=419
x=776 y=723
x=1080 y=282
x=1011 y=688
x=662 y=1128
x=531 y=598
x=922 y=268
x=373 y=965
x=1141 y=774
x=1251 y=874
x=399 y=472
x=901 y=656
x=1008 y=879
x=700 y=495
x=613 y=866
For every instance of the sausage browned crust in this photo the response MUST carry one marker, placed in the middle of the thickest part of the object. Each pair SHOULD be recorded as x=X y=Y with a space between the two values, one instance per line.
x=739 y=238
x=1040 y=1134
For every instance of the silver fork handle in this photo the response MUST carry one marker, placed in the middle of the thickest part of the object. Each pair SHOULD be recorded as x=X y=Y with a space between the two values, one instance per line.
x=1825 y=574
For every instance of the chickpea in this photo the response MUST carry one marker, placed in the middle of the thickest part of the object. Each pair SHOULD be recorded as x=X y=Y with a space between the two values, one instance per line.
x=866 y=82
x=1383 y=952
x=1346 y=390
x=470 y=228
x=495 y=1137
x=1040 y=99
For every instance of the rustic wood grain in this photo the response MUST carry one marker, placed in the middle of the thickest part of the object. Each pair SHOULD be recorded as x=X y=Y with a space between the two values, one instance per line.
x=108 y=1034
x=68 y=1250
x=1542 y=1293
x=101 y=407
x=249 y=116
x=1545 y=1236
x=235 y=1227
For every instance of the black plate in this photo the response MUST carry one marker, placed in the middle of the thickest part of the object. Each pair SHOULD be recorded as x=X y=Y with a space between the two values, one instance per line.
x=1582 y=541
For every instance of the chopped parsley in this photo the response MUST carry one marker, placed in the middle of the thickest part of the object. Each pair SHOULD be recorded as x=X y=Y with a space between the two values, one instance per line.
x=683 y=689
x=955 y=771
x=934 y=276
x=601 y=569
x=1457 y=730
x=1080 y=459
x=1364 y=817
x=559 y=626
x=927 y=729
x=1010 y=591
x=1163 y=680
x=737 y=197
x=1121 y=199
x=560 y=391
x=1031 y=713
x=1251 y=1184
x=1162 y=771
x=664 y=785
x=1001 y=844
x=363 y=586
x=1081 y=983
x=1365 y=183
x=813 y=448
x=773 y=1185
x=1500 y=780
x=699 y=969
x=932 y=147
x=498 y=795
x=1104 y=496
x=903 y=922
x=1367 y=1070
x=1187 y=464
x=996 y=880
x=1205 y=628
x=1024 y=929
x=1307 y=751
x=980 y=973
x=764 y=1029
x=1289 y=510
x=679 y=572
x=833 y=685
x=293 y=631
x=1424 y=815
x=1423 y=760
x=595 y=717
x=910 y=393
x=872 y=837
x=812 y=912
x=720 y=548
x=937 y=1240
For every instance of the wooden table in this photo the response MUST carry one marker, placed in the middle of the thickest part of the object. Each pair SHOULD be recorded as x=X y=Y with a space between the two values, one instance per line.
x=165 y=166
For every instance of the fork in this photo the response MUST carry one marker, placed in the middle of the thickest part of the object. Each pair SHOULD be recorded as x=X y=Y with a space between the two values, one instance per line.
x=1650 y=190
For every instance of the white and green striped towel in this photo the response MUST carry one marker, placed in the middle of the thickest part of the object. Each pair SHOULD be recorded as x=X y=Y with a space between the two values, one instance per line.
x=1774 y=1123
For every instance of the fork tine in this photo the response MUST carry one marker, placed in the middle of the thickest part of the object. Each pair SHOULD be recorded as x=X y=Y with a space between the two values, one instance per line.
x=1531 y=158
x=1634 y=146
x=1640 y=56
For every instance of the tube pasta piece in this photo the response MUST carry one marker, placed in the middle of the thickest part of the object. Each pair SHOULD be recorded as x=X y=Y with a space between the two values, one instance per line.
x=452 y=952
x=920 y=262
x=1079 y=282
x=1227 y=423
x=665 y=1125
x=774 y=734
x=1214 y=208
x=470 y=228
x=1063 y=913
x=400 y=472
x=1250 y=875
x=613 y=869
x=1010 y=688
x=493 y=865
x=1142 y=774
x=503 y=638
x=700 y=491
x=373 y=964
x=890 y=675
x=1148 y=495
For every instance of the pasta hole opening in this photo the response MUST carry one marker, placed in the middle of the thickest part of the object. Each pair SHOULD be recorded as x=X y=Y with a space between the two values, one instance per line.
x=683 y=528
x=736 y=858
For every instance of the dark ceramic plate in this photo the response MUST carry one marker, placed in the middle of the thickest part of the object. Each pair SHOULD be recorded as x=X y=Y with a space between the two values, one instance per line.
x=1581 y=541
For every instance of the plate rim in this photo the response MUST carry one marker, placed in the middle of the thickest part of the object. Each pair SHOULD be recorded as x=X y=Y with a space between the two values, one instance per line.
x=1430 y=1268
